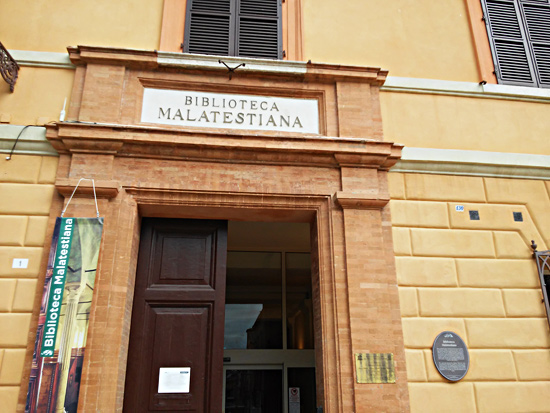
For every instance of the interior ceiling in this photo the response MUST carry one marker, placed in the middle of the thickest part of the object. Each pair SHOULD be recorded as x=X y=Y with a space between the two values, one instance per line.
x=266 y=236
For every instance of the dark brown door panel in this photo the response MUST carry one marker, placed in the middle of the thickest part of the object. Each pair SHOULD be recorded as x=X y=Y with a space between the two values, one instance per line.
x=178 y=315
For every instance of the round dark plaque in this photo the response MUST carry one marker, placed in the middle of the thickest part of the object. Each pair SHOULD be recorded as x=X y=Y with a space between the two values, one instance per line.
x=451 y=356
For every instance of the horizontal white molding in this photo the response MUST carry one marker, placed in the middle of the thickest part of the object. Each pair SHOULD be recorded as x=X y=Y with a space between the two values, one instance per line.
x=473 y=163
x=468 y=89
x=32 y=140
x=198 y=61
x=42 y=59
x=392 y=84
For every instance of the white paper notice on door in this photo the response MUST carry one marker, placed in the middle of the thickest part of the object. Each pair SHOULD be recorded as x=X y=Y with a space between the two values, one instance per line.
x=174 y=379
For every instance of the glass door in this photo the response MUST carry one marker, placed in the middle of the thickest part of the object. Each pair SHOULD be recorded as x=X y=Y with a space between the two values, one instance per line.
x=269 y=339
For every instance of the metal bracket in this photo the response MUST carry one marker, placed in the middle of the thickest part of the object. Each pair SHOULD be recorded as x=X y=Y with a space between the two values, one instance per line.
x=8 y=67
x=230 y=71
x=543 y=266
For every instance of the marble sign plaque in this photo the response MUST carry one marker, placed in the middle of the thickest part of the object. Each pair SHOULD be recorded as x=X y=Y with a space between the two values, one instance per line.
x=451 y=357
x=230 y=111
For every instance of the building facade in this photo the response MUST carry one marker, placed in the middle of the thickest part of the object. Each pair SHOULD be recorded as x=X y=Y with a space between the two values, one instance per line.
x=278 y=208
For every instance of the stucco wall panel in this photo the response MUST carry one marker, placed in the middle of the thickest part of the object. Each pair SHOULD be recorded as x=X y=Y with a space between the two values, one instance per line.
x=500 y=273
x=511 y=245
x=524 y=303
x=420 y=332
x=533 y=194
x=419 y=214
x=444 y=188
x=7 y=289
x=408 y=301
x=401 y=241
x=425 y=39
x=8 y=397
x=440 y=397
x=426 y=272
x=462 y=302
x=13 y=230
x=449 y=243
x=416 y=367
x=532 y=364
x=508 y=333
x=512 y=397
x=39 y=94
x=99 y=23
x=465 y=123
x=493 y=303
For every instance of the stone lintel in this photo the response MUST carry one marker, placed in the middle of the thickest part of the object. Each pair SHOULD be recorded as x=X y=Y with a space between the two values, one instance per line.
x=221 y=145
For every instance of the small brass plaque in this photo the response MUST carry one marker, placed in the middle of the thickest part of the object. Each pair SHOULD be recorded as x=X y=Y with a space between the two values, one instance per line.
x=374 y=368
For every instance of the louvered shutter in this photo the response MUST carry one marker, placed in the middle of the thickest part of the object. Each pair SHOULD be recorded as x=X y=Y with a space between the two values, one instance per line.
x=510 y=50
x=259 y=29
x=210 y=28
x=249 y=28
x=519 y=31
x=536 y=16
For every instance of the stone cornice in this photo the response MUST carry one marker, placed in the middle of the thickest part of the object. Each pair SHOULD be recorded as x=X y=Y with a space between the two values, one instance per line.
x=103 y=189
x=82 y=55
x=352 y=200
x=221 y=145
x=151 y=59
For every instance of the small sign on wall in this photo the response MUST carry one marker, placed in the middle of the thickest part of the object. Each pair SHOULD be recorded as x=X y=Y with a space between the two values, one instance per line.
x=293 y=400
x=374 y=368
x=20 y=263
x=451 y=357
x=174 y=379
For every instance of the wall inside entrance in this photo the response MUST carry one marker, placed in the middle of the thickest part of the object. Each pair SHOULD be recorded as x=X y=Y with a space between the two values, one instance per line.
x=478 y=279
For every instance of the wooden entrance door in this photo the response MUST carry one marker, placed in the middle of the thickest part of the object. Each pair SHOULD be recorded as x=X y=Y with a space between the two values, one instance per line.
x=178 y=315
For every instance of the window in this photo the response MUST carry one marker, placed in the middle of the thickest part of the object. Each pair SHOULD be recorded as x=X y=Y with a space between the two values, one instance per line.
x=519 y=34
x=543 y=265
x=247 y=28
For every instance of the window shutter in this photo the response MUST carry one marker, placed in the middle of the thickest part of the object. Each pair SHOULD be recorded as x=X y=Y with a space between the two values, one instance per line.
x=259 y=29
x=210 y=28
x=508 y=43
x=537 y=22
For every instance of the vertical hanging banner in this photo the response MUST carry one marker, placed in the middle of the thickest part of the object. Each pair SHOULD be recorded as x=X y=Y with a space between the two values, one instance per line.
x=60 y=345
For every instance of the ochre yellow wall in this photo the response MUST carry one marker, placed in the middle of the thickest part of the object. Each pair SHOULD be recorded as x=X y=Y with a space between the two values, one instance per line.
x=38 y=97
x=410 y=38
x=478 y=279
x=52 y=26
x=468 y=123
x=26 y=189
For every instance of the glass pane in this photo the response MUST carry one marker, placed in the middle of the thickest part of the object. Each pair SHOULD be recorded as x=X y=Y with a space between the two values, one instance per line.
x=253 y=391
x=298 y=301
x=303 y=379
x=253 y=309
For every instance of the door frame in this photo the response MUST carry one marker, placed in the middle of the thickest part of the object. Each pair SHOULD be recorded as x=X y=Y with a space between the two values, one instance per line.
x=314 y=210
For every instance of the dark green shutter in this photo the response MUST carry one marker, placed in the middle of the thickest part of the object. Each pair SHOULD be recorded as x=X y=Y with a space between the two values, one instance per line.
x=519 y=32
x=249 y=28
